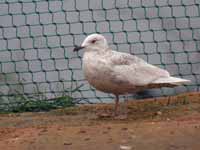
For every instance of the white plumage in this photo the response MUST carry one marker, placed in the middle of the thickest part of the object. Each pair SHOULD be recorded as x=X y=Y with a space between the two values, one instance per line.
x=120 y=73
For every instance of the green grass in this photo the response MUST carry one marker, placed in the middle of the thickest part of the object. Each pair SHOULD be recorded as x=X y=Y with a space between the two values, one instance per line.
x=34 y=105
x=45 y=105
x=22 y=103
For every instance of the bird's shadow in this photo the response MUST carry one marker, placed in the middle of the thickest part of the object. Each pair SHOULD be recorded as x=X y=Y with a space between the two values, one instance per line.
x=143 y=94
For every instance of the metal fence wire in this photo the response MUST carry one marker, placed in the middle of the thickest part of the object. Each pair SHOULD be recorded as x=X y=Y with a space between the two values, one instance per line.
x=37 y=38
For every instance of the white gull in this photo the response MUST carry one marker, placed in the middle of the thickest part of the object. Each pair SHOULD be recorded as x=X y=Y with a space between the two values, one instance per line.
x=120 y=73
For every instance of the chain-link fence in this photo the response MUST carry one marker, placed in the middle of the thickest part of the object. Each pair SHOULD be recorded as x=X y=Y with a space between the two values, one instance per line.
x=37 y=38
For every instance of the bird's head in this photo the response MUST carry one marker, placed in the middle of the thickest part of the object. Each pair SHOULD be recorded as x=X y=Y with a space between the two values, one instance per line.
x=93 y=42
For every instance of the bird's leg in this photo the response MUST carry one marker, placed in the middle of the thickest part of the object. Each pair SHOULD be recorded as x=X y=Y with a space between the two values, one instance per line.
x=168 y=100
x=126 y=105
x=124 y=111
x=116 y=105
x=117 y=111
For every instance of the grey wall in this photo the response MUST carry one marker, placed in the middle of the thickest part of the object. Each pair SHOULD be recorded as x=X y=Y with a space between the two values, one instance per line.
x=37 y=39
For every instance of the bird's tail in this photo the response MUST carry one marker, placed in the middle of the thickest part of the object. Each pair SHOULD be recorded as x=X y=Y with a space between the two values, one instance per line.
x=171 y=80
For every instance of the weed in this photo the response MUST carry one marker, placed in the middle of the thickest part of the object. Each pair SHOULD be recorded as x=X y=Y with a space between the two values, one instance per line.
x=38 y=102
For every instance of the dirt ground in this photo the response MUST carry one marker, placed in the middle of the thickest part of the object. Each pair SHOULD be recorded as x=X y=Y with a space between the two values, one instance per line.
x=171 y=123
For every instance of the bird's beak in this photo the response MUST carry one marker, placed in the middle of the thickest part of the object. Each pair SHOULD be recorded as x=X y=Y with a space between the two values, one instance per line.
x=77 y=48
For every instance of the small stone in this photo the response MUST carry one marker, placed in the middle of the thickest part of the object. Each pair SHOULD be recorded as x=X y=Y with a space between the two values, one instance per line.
x=133 y=136
x=44 y=130
x=87 y=139
x=67 y=143
x=159 y=113
x=59 y=128
x=124 y=129
x=109 y=128
x=82 y=131
x=124 y=147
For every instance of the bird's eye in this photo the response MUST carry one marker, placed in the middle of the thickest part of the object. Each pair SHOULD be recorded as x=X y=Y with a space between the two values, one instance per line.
x=93 y=41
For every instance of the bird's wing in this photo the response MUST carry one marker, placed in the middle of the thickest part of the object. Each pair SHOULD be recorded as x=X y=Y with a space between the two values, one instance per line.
x=135 y=70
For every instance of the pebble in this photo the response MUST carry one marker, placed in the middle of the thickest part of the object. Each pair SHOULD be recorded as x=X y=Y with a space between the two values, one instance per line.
x=82 y=131
x=109 y=128
x=67 y=143
x=125 y=147
x=87 y=139
x=133 y=136
x=159 y=113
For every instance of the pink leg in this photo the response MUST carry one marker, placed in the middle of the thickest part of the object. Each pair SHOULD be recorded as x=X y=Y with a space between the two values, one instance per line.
x=116 y=105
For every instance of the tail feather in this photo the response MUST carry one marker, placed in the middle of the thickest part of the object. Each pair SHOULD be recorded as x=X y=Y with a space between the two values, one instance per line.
x=172 y=80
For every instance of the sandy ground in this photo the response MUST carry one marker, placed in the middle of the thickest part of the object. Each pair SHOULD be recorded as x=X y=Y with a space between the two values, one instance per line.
x=171 y=123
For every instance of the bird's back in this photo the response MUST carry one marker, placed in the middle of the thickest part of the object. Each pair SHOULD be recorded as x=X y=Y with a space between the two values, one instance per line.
x=120 y=73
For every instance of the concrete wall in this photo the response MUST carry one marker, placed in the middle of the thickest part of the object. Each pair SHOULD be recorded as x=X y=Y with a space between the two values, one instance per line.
x=37 y=39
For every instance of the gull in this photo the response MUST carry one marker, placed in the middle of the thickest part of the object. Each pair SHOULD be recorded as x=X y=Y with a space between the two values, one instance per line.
x=120 y=73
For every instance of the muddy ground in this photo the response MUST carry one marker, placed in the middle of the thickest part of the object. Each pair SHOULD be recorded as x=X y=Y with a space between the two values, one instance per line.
x=171 y=123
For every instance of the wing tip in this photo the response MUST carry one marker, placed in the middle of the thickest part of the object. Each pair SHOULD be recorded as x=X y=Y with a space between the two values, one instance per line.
x=173 y=80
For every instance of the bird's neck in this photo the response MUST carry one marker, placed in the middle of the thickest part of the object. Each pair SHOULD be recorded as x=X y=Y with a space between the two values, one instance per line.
x=96 y=50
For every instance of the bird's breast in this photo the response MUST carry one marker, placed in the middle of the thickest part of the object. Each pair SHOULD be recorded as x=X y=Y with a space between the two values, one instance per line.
x=93 y=66
x=97 y=71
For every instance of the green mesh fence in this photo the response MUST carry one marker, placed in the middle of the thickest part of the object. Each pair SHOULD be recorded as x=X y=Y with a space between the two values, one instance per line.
x=37 y=38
